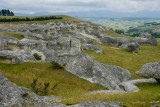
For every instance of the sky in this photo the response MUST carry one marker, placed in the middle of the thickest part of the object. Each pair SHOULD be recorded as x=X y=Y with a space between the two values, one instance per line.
x=64 y=6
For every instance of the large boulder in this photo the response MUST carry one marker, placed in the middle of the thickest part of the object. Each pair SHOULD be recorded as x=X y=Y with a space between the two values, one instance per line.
x=123 y=43
x=150 y=70
x=146 y=38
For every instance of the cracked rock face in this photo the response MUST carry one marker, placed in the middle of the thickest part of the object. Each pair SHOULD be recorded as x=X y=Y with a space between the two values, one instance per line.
x=150 y=70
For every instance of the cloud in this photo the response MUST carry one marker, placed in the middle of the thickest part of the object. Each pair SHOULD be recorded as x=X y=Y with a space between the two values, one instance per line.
x=62 y=6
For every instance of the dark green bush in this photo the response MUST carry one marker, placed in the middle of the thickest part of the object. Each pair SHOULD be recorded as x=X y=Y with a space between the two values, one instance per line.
x=36 y=56
x=39 y=88
x=39 y=18
x=55 y=65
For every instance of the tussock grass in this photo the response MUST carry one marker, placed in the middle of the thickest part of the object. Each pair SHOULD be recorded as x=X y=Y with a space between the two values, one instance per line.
x=131 y=61
x=65 y=36
x=13 y=34
x=143 y=98
x=68 y=85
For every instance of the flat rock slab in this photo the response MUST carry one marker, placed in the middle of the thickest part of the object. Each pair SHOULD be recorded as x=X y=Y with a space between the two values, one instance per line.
x=97 y=103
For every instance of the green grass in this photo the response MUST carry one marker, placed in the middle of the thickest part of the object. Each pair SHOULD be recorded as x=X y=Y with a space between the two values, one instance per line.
x=131 y=61
x=13 y=34
x=81 y=39
x=68 y=85
x=113 y=34
x=71 y=88
x=149 y=92
x=65 y=36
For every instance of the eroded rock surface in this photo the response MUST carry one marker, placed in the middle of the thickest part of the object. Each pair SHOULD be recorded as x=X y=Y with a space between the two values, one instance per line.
x=58 y=43
x=146 y=38
x=122 y=43
x=150 y=70
x=98 y=103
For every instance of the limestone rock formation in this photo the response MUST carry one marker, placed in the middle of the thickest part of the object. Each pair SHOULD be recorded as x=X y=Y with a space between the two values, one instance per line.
x=150 y=70
x=58 y=43
x=123 y=43
x=146 y=38
x=98 y=103
x=83 y=29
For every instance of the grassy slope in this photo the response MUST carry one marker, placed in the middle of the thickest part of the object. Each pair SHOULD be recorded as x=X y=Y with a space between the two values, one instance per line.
x=113 y=34
x=133 y=62
x=65 y=18
x=19 y=37
x=148 y=93
x=146 y=28
x=72 y=88
x=68 y=86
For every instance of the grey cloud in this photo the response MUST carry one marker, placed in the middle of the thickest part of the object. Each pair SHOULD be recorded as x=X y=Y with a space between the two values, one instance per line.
x=54 y=6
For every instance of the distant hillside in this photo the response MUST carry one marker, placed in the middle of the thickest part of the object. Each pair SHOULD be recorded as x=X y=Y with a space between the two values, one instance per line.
x=122 y=23
x=152 y=28
x=59 y=18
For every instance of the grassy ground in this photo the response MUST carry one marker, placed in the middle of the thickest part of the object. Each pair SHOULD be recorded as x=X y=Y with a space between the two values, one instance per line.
x=71 y=88
x=133 y=62
x=113 y=34
x=148 y=93
x=19 y=37
x=68 y=85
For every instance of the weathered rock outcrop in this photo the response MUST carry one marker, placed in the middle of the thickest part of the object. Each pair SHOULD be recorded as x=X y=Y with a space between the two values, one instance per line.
x=146 y=38
x=122 y=43
x=98 y=103
x=67 y=51
x=85 y=30
x=150 y=70
x=127 y=87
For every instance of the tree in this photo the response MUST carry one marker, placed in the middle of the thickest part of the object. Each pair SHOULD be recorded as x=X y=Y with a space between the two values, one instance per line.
x=5 y=12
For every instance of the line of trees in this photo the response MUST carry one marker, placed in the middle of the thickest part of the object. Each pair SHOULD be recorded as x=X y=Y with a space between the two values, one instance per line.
x=16 y=19
x=5 y=12
x=119 y=31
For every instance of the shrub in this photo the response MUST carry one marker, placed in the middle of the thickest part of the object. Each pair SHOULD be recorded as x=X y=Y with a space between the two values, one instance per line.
x=39 y=88
x=55 y=65
x=39 y=18
x=36 y=56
